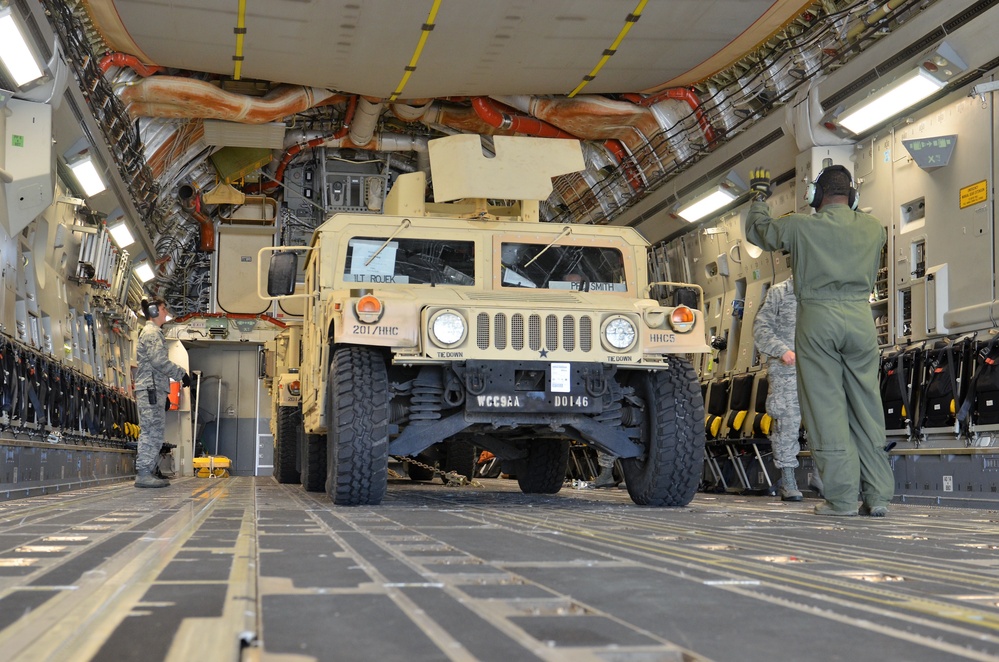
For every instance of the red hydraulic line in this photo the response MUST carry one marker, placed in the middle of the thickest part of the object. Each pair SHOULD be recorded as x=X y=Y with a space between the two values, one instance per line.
x=683 y=94
x=315 y=142
x=492 y=114
x=617 y=149
x=206 y=237
x=130 y=61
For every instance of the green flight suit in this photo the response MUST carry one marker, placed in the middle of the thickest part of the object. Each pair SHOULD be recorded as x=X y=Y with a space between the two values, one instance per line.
x=834 y=261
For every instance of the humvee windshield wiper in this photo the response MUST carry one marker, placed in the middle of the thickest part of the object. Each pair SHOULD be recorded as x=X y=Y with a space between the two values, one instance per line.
x=402 y=226
x=565 y=231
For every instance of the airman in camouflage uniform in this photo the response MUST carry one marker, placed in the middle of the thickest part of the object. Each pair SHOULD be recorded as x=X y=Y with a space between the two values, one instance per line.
x=773 y=331
x=152 y=388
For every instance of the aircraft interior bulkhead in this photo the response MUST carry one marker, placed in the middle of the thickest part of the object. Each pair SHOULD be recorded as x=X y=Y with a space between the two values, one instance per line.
x=465 y=302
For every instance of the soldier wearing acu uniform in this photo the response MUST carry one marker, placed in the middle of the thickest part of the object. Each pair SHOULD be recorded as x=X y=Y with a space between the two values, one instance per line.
x=835 y=255
x=152 y=388
x=773 y=331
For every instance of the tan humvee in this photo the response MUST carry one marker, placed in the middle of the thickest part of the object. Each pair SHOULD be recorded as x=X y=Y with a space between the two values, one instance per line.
x=469 y=326
x=282 y=359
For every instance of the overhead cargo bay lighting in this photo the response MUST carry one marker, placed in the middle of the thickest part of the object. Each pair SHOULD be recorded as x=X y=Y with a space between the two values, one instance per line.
x=725 y=192
x=710 y=202
x=15 y=53
x=936 y=69
x=121 y=234
x=903 y=93
x=87 y=176
x=144 y=272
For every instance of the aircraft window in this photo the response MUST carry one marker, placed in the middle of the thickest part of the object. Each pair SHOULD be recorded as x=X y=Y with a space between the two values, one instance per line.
x=579 y=268
x=410 y=261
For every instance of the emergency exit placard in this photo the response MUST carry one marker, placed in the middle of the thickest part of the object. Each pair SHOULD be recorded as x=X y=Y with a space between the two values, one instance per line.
x=975 y=193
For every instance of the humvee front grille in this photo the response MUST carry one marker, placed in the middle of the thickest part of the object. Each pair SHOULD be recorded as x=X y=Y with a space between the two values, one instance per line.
x=571 y=333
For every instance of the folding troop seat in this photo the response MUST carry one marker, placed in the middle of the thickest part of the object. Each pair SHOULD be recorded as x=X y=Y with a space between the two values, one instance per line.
x=756 y=426
x=943 y=384
x=715 y=405
x=898 y=371
x=980 y=406
x=740 y=400
x=762 y=422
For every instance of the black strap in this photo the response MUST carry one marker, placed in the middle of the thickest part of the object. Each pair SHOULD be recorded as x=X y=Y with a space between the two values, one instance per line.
x=7 y=374
x=903 y=390
x=57 y=402
x=930 y=369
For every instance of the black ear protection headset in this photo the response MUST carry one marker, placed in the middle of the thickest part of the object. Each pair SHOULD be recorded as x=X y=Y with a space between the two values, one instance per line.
x=814 y=192
x=151 y=309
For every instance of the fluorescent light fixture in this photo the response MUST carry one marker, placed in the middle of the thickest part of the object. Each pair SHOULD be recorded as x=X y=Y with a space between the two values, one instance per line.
x=903 y=93
x=707 y=203
x=144 y=272
x=121 y=234
x=17 y=57
x=87 y=176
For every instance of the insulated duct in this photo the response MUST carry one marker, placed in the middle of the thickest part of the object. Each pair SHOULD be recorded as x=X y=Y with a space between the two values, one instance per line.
x=176 y=97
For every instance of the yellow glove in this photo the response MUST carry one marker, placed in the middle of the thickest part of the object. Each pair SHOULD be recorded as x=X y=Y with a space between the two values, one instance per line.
x=759 y=182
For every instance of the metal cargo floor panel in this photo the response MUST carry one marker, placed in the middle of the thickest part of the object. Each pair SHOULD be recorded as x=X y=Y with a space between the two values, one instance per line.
x=247 y=569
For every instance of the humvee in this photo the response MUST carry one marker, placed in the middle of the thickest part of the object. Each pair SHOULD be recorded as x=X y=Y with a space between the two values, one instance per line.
x=465 y=324
x=281 y=366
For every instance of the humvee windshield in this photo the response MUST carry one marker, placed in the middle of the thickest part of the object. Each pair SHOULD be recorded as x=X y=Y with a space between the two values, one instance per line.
x=580 y=268
x=410 y=261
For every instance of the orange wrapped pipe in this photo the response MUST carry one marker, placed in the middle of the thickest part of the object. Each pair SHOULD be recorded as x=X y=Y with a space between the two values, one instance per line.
x=177 y=97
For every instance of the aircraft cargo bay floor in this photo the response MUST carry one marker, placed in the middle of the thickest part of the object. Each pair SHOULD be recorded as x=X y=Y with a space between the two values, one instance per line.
x=247 y=569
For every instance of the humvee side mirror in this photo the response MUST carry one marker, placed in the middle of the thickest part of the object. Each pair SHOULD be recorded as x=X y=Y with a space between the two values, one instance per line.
x=281 y=272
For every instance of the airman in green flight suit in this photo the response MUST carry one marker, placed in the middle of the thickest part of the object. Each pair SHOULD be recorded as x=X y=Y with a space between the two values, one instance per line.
x=834 y=261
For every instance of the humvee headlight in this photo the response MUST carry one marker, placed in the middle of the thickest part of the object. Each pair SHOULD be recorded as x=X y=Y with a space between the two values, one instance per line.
x=682 y=319
x=620 y=333
x=447 y=328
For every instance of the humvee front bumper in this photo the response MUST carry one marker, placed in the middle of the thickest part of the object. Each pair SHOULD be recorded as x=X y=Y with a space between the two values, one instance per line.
x=535 y=387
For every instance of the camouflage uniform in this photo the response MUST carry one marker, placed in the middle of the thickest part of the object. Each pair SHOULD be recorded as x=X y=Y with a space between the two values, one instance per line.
x=773 y=331
x=834 y=258
x=152 y=387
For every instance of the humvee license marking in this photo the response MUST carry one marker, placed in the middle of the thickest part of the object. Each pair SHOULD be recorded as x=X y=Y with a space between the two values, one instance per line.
x=662 y=337
x=499 y=401
x=571 y=401
x=362 y=330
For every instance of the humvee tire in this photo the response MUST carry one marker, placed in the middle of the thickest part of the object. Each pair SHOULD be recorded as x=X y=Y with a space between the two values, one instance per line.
x=673 y=435
x=313 y=456
x=418 y=473
x=543 y=472
x=289 y=420
x=357 y=417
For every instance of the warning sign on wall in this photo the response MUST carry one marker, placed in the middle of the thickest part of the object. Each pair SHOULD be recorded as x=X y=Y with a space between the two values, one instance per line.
x=975 y=193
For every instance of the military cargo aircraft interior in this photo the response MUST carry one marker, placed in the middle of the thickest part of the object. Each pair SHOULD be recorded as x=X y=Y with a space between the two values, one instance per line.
x=610 y=330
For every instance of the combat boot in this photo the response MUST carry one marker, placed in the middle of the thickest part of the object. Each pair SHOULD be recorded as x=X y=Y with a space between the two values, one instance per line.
x=826 y=508
x=876 y=511
x=605 y=478
x=147 y=479
x=789 y=485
